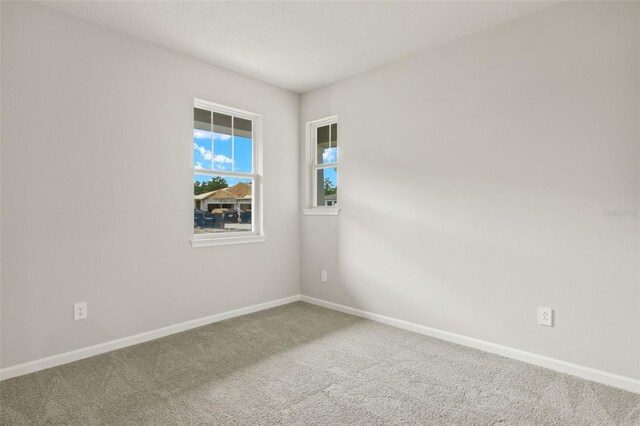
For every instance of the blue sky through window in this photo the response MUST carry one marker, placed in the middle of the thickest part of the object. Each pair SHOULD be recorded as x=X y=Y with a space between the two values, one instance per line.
x=331 y=173
x=223 y=152
x=242 y=154
x=221 y=156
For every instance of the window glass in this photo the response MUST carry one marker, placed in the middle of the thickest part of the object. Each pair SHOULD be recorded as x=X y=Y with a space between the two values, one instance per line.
x=202 y=143
x=324 y=152
x=324 y=170
x=222 y=204
x=222 y=142
x=242 y=145
x=327 y=186
x=226 y=186
x=334 y=143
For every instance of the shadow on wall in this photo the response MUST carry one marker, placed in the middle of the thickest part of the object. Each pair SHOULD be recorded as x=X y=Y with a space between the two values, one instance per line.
x=421 y=261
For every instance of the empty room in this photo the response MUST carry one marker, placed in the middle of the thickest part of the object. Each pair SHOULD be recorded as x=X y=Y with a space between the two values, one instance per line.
x=320 y=213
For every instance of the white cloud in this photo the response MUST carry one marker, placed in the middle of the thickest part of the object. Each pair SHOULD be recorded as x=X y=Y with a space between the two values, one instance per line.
x=201 y=134
x=222 y=159
x=206 y=154
x=330 y=155
x=198 y=165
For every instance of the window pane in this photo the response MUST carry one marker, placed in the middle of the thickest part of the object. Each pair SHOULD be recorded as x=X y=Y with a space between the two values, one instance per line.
x=327 y=188
x=222 y=151
x=201 y=119
x=324 y=152
x=202 y=155
x=334 y=142
x=222 y=204
x=242 y=145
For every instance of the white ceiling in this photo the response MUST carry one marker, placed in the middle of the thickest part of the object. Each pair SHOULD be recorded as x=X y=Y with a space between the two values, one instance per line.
x=299 y=45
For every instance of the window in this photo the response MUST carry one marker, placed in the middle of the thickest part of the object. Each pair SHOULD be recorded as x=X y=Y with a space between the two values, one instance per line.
x=322 y=145
x=227 y=181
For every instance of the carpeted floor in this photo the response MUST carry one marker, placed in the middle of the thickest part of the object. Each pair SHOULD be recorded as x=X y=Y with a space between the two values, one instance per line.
x=302 y=364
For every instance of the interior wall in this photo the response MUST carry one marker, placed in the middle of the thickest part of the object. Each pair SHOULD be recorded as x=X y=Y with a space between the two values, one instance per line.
x=97 y=187
x=488 y=177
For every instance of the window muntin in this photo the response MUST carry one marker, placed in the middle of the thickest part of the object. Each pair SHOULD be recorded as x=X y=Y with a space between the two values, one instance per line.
x=226 y=180
x=324 y=166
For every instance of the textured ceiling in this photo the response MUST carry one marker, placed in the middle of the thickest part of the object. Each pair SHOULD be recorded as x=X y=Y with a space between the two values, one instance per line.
x=299 y=45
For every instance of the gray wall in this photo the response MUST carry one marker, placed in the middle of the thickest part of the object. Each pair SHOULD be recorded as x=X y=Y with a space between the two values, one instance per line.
x=97 y=187
x=474 y=181
x=474 y=184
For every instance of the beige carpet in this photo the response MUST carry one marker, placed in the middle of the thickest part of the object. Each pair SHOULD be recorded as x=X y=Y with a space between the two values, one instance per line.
x=301 y=364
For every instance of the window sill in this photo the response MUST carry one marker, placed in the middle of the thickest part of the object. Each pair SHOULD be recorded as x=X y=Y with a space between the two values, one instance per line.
x=321 y=211
x=225 y=241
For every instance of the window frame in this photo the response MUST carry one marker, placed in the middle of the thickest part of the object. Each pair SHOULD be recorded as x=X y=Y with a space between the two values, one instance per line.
x=312 y=167
x=257 y=220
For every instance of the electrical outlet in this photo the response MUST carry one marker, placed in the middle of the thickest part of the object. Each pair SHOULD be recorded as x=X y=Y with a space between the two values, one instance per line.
x=323 y=276
x=545 y=316
x=80 y=311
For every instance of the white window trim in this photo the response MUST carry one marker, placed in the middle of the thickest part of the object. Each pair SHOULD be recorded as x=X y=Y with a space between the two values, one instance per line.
x=310 y=167
x=257 y=221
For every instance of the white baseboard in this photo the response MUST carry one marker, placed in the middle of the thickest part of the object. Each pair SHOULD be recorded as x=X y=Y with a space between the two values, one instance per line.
x=78 y=354
x=587 y=373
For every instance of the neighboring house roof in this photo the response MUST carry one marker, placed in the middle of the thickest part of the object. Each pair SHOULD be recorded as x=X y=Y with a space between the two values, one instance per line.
x=240 y=190
x=221 y=194
x=202 y=196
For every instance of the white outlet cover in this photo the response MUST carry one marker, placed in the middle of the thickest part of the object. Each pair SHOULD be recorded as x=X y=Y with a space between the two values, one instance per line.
x=323 y=276
x=545 y=316
x=80 y=311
